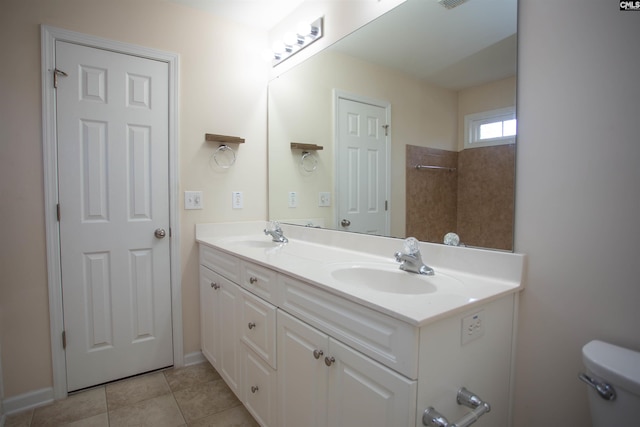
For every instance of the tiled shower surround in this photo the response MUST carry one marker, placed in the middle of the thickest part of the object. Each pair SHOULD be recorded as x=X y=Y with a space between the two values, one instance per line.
x=476 y=201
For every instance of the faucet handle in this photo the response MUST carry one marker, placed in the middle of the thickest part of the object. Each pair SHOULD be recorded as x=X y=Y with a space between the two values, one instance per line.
x=411 y=246
x=272 y=226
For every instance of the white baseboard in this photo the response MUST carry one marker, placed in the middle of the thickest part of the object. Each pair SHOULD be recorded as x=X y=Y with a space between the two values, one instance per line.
x=28 y=400
x=194 y=358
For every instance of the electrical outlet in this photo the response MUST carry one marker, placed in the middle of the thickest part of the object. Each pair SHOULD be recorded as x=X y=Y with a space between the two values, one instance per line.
x=293 y=199
x=324 y=199
x=193 y=199
x=472 y=327
x=236 y=200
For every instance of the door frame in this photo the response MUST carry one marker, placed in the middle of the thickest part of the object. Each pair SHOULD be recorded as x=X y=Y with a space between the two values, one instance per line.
x=49 y=36
x=337 y=96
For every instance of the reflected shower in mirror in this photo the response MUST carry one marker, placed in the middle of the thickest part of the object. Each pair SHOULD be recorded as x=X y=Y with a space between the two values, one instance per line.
x=422 y=85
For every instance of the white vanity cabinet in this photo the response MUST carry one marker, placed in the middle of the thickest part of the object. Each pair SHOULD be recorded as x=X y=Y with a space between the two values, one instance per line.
x=322 y=382
x=219 y=325
x=299 y=355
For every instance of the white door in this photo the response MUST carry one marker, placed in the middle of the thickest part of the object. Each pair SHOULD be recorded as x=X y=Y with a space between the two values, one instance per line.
x=362 y=167
x=112 y=115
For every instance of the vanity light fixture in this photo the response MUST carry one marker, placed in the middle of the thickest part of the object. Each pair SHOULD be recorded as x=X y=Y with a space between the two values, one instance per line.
x=293 y=43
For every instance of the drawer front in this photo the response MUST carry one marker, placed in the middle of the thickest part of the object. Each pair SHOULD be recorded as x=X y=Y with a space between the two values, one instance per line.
x=220 y=262
x=260 y=388
x=385 y=339
x=259 y=280
x=258 y=326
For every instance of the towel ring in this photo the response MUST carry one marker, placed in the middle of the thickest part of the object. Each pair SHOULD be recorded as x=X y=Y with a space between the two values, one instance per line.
x=224 y=156
x=308 y=162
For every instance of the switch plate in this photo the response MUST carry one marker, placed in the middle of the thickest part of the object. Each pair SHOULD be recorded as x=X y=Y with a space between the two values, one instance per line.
x=193 y=199
x=237 y=201
x=472 y=327
x=324 y=198
x=293 y=199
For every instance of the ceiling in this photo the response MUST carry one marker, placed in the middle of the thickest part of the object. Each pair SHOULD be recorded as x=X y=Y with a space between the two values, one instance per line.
x=468 y=45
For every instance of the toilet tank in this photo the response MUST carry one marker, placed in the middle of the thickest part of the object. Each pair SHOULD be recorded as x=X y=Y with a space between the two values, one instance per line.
x=620 y=368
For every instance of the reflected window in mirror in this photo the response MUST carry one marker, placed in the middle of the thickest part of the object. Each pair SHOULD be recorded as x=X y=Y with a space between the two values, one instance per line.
x=495 y=127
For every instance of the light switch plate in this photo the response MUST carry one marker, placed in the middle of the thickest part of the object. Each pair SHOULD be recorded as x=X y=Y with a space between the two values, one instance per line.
x=324 y=198
x=193 y=199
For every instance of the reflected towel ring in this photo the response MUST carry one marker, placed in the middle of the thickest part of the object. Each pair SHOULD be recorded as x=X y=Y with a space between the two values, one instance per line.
x=308 y=162
x=224 y=156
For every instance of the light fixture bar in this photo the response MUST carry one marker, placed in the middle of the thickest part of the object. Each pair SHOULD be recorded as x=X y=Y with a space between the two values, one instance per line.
x=293 y=43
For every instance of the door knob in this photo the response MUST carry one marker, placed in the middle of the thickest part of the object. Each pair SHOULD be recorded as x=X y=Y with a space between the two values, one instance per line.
x=160 y=233
x=345 y=223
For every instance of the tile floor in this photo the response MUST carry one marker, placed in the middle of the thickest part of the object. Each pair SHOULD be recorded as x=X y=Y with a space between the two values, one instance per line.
x=193 y=396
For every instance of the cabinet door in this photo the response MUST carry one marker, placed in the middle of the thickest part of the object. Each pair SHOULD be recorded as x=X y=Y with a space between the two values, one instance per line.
x=208 y=307
x=302 y=375
x=362 y=392
x=227 y=327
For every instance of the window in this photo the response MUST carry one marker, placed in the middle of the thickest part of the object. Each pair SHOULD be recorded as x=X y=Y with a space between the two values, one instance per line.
x=494 y=127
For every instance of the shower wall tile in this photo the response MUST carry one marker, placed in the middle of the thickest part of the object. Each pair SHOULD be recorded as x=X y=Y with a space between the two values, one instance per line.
x=476 y=201
x=486 y=182
x=431 y=193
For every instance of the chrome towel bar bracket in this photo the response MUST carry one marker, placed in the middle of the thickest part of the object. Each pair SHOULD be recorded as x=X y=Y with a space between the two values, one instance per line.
x=432 y=418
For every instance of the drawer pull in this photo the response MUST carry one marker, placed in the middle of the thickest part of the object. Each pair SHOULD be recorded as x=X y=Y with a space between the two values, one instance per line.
x=317 y=353
x=251 y=325
x=254 y=389
x=215 y=286
x=253 y=280
x=329 y=360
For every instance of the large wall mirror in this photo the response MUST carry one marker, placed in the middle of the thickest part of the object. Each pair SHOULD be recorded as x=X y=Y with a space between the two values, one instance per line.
x=406 y=127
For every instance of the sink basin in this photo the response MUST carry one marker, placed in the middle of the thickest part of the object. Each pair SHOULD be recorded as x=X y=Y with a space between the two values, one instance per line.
x=251 y=243
x=390 y=279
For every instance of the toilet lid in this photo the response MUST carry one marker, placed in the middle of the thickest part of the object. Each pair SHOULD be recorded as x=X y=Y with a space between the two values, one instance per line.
x=616 y=365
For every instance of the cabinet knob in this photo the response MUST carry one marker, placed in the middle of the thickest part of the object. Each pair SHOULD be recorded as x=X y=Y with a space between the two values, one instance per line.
x=251 y=325
x=253 y=280
x=215 y=286
x=317 y=353
x=254 y=388
x=329 y=360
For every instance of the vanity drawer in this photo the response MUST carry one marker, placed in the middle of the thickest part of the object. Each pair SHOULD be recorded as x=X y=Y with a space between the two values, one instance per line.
x=258 y=326
x=259 y=393
x=220 y=262
x=259 y=280
x=389 y=341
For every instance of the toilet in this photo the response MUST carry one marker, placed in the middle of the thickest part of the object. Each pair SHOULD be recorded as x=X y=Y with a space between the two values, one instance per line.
x=613 y=376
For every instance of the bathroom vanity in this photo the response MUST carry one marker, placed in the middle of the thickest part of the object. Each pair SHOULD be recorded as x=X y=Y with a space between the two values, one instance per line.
x=326 y=330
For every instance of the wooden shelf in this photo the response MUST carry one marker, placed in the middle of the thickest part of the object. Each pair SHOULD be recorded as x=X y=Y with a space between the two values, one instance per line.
x=301 y=146
x=223 y=138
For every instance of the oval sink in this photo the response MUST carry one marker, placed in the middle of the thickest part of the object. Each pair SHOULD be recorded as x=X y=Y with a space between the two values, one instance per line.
x=383 y=278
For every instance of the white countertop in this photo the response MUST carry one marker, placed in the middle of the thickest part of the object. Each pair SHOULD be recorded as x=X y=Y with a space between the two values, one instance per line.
x=464 y=277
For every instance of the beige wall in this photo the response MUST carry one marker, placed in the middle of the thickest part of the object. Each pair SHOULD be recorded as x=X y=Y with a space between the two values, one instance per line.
x=577 y=198
x=223 y=81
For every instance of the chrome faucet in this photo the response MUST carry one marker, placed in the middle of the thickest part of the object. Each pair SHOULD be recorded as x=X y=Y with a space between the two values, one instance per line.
x=273 y=229
x=410 y=258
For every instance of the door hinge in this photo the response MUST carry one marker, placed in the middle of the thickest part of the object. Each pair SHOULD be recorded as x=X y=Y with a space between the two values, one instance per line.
x=64 y=340
x=57 y=73
x=58 y=211
x=386 y=130
x=386 y=205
